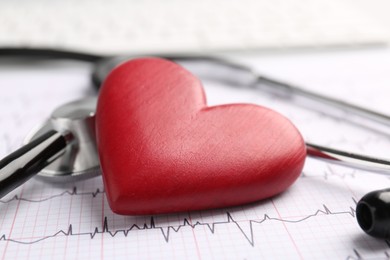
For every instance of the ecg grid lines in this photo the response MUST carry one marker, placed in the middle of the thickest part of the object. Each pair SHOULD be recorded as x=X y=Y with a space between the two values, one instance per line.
x=165 y=231
x=314 y=219
x=244 y=227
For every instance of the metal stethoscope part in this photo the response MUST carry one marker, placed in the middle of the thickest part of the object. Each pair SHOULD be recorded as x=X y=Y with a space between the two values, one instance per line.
x=64 y=148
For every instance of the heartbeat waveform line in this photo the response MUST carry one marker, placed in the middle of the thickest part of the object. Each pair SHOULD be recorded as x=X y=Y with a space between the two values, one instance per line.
x=326 y=174
x=73 y=192
x=166 y=231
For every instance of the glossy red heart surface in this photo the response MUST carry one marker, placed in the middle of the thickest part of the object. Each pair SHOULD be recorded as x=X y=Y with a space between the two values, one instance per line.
x=163 y=150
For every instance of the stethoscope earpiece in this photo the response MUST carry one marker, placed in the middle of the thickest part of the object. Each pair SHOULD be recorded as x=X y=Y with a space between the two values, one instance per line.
x=373 y=213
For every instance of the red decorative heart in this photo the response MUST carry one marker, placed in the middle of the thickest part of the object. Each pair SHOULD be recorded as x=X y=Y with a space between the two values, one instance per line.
x=162 y=149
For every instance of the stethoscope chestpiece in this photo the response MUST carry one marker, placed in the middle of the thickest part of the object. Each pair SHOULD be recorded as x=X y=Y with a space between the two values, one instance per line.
x=63 y=149
x=79 y=160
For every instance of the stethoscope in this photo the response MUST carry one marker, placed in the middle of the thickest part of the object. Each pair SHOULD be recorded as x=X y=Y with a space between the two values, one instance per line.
x=64 y=148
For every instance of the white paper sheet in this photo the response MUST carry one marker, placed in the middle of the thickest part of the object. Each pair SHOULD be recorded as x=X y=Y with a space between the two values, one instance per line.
x=314 y=219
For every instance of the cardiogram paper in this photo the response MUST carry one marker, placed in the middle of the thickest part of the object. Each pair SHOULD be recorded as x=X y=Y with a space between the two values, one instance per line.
x=314 y=219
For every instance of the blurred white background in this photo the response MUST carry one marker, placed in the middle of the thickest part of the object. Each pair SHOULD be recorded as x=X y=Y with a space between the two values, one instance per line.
x=120 y=26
